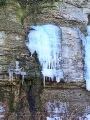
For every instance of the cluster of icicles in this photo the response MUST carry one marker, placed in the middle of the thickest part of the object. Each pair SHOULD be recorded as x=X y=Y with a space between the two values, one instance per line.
x=46 y=41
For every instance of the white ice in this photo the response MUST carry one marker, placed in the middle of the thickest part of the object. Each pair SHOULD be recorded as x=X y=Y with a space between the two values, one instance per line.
x=87 y=59
x=55 y=118
x=46 y=41
x=87 y=117
x=1 y=111
x=17 y=70
x=86 y=55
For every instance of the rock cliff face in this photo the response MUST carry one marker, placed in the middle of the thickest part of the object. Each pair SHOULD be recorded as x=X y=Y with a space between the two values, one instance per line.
x=12 y=40
x=67 y=14
x=72 y=60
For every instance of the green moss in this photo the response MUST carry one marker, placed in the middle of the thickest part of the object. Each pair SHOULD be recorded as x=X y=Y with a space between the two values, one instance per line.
x=24 y=3
x=11 y=11
x=2 y=2
x=6 y=25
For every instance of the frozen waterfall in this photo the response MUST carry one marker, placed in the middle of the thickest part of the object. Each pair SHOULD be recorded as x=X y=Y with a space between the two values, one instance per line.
x=46 y=41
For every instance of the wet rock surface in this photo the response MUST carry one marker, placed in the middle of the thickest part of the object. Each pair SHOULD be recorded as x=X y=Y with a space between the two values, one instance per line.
x=21 y=102
x=72 y=57
x=66 y=103
x=6 y=101
x=13 y=103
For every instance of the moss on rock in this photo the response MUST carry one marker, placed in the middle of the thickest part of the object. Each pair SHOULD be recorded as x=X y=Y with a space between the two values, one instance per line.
x=2 y=2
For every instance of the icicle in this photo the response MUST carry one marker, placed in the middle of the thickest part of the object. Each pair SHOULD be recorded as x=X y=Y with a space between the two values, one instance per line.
x=23 y=74
x=87 y=59
x=10 y=71
x=17 y=64
x=17 y=70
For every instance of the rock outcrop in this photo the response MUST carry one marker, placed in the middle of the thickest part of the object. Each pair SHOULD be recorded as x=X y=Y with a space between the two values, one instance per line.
x=67 y=14
x=12 y=40
x=72 y=59
x=70 y=15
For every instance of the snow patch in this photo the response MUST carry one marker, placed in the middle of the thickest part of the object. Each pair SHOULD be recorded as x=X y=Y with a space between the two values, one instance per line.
x=1 y=111
x=56 y=110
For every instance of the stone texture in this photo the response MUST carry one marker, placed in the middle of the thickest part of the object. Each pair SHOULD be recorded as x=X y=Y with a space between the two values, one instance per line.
x=78 y=3
x=73 y=104
x=10 y=33
x=72 y=58
x=70 y=12
x=14 y=102
x=67 y=14
x=12 y=41
x=11 y=11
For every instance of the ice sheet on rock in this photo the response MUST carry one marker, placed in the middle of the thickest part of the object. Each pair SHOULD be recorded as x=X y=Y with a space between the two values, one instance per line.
x=87 y=63
x=1 y=111
x=46 y=41
x=86 y=50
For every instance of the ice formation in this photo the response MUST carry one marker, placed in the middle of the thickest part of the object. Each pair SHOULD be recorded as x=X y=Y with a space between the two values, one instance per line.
x=46 y=41
x=86 y=55
x=23 y=75
x=10 y=71
x=17 y=71
x=1 y=112
x=87 y=59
